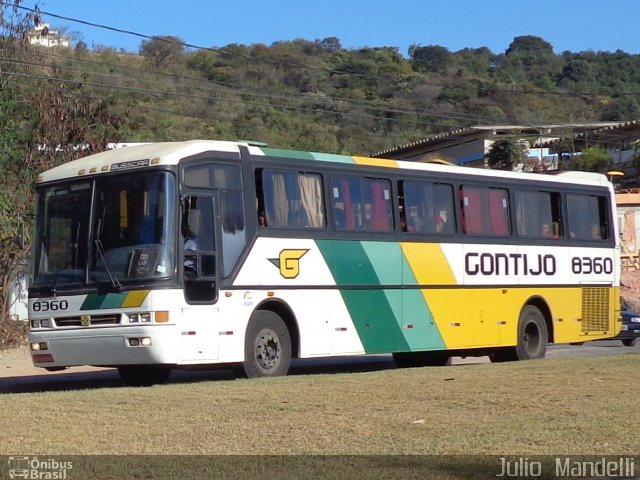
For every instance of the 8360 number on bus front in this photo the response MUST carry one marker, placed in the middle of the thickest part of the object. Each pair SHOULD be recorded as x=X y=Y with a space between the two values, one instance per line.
x=50 y=306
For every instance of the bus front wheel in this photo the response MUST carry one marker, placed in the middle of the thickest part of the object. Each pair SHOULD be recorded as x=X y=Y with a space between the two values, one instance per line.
x=267 y=350
x=532 y=338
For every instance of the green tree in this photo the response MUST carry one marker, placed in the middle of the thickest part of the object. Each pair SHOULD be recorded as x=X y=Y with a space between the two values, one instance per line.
x=505 y=155
x=578 y=70
x=530 y=59
x=529 y=45
x=42 y=123
x=432 y=58
x=621 y=109
x=162 y=49
x=592 y=159
x=331 y=44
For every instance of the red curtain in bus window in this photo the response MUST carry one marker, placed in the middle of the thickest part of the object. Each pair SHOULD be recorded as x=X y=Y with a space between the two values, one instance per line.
x=471 y=199
x=498 y=212
x=379 y=208
x=348 y=205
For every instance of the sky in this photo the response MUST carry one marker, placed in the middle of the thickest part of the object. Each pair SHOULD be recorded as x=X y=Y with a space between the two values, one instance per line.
x=574 y=25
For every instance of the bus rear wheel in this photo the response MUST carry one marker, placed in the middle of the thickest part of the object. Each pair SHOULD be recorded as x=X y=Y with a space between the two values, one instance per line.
x=267 y=350
x=532 y=338
x=144 y=375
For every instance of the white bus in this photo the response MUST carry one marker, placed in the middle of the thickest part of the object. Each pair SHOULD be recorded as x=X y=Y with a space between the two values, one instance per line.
x=168 y=255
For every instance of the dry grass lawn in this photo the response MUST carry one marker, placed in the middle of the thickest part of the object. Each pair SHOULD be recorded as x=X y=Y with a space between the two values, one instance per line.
x=554 y=406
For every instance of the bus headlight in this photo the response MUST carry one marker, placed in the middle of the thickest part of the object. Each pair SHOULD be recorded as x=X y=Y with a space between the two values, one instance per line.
x=42 y=323
x=140 y=317
x=39 y=346
x=139 y=342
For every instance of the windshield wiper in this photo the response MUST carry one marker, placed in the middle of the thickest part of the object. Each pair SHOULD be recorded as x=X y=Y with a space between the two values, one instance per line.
x=52 y=287
x=114 y=281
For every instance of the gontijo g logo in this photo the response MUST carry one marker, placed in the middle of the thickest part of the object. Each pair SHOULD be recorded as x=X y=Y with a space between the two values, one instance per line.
x=289 y=262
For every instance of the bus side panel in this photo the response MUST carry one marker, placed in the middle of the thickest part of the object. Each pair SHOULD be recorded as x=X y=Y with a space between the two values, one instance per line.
x=382 y=296
x=295 y=269
x=430 y=270
x=359 y=270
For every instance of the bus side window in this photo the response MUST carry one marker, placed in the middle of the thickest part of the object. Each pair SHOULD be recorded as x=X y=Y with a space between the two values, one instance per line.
x=472 y=214
x=290 y=199
x=499 y=211
x=361 y=204
x=538 y=214
x=380 y=206
x=588 y=216
x=428 y=207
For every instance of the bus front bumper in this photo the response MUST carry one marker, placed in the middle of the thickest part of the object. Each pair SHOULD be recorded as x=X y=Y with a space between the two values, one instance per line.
x=103 y=347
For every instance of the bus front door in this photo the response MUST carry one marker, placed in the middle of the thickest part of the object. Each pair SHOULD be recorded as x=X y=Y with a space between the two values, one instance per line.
x=199 y=253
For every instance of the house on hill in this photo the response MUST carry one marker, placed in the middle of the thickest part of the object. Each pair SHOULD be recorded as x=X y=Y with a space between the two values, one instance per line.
x=43 y=36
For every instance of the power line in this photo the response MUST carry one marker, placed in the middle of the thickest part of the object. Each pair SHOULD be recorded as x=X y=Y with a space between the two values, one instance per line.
x=209 y=98
x=243 y=90
x=289 y=63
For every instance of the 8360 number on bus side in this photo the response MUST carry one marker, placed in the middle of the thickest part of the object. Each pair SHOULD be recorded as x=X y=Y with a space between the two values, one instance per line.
x=591 y=265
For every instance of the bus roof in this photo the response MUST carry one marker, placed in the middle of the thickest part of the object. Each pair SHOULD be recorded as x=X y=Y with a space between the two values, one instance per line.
x=170 y=153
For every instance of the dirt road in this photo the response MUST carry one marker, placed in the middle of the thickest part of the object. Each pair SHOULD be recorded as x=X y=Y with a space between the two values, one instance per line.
x=16 y=362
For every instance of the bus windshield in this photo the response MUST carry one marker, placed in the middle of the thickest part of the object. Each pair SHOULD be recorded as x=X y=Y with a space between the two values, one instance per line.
x=112 y=229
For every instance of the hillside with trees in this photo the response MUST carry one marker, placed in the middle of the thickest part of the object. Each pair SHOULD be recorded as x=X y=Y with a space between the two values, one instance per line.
x=310 y=94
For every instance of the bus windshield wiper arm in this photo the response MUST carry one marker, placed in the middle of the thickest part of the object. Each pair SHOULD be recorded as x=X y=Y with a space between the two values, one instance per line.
x=114 y=281
x=52 y=287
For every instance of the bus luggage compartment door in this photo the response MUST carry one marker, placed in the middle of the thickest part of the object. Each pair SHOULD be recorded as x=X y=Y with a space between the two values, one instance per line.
x=198 y=335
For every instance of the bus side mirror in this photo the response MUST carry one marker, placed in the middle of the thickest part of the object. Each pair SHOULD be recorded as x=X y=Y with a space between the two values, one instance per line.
x=20 y=236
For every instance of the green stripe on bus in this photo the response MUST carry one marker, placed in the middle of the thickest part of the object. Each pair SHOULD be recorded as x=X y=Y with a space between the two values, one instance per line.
x=109 y=300
x=419 y=328
x=370 y=309
x=411 y=311
x=324 y=157
x=328 y=157
x=387 y=320
x=277 y=152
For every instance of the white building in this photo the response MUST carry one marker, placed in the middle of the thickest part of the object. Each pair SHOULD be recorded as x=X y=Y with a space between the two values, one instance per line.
x=43 y=36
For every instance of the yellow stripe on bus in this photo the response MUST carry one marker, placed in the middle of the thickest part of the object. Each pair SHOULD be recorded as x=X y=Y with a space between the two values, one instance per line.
x=429 y=263
x=375 y=162
x=135 y=298
x=431 y=267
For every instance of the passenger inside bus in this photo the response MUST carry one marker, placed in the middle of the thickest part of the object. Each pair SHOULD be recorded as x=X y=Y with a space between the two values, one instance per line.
x=191 y=241
x=550 y=231
x=596 y=232
x=546 y=231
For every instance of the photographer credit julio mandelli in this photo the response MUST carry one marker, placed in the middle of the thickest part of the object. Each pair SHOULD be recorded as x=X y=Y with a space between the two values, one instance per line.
x=568 y=467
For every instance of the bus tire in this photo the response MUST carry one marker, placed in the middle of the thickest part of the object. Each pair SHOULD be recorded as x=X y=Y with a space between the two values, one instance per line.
x=144 y=375
x=630 y=342
x=267 y=349
x=420 y=359
x=532 y=338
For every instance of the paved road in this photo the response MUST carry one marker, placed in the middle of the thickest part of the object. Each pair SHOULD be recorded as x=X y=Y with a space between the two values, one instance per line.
x=29 y=379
